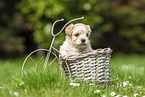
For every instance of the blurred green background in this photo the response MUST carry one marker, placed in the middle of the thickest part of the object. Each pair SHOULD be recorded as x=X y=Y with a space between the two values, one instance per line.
x=25 y=25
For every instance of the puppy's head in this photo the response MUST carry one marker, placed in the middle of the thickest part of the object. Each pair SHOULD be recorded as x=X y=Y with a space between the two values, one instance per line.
x=79 y=34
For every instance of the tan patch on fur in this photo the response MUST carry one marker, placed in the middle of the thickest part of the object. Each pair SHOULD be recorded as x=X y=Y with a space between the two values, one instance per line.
x=68 y=30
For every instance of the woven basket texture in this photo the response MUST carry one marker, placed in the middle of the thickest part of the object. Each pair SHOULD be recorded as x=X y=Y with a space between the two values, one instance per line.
x=89 y=66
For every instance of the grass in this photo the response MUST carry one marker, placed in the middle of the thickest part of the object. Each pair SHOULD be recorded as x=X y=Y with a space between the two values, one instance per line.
x=38 y=83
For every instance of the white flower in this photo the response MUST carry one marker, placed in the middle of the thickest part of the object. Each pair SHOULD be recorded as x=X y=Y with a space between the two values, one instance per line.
x=10 y=92
x=91 y=84
x=1 y=87
x=16 y=94
x=135 y=95
x=127 y=82
x=143 y=96
x=129 y=77
x=125 y=96
x=139 y=87
x=97 y=91
x=22 y=83
x=124 y=83
x=130 y=84
x=74 y=84
x=112 y=93
x=103 y=95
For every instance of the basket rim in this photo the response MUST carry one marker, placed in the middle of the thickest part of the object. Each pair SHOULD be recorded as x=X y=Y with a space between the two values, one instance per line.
x=88 y=53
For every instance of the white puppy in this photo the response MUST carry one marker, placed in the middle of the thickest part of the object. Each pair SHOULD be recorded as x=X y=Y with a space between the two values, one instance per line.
x=77 y=40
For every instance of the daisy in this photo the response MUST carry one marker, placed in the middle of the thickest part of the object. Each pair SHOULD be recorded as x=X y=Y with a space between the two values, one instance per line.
x=135 y=95
x=130 y=84
x=22 y=83
x=97 y=91
x=16 y=94
x=91 y=84
x=124 y=83
x=127 y=82
x=1 y=87
x=10 y=92
x=76 y=84
x=112 y=93
x=125 y=96
x=139 y=87
x=103 y=95
x=72 y=84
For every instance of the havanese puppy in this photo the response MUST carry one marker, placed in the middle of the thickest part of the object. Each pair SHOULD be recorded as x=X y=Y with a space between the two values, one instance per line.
x=77 y=40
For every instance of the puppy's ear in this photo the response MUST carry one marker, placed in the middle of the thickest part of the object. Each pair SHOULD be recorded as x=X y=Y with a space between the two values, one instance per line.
x=89 y=29
x=68 y=30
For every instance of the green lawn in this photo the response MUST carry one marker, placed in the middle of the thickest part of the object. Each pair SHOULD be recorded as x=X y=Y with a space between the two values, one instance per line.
x=39 y=83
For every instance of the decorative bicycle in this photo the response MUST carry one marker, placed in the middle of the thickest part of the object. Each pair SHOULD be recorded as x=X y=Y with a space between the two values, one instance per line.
x=93 y=66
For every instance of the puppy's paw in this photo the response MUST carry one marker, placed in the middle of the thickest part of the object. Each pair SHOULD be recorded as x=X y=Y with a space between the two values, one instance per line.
x=64 y=57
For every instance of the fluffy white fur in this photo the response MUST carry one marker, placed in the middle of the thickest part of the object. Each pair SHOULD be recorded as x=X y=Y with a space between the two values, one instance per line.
x=77 y=40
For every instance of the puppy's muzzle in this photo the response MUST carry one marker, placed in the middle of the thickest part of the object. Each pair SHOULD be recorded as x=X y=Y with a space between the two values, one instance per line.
x=83 y=41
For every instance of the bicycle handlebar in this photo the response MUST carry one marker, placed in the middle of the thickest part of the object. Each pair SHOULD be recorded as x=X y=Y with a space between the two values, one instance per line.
x=63 y=26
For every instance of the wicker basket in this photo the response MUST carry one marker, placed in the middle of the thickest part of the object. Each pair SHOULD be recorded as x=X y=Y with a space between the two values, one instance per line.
x=90 y=66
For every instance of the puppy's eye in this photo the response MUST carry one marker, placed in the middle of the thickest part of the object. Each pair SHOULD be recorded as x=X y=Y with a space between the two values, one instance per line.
x=77 y=34
x=87 y=34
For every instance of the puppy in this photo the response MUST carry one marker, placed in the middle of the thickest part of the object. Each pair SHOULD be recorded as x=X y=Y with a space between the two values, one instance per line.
x=77 y=40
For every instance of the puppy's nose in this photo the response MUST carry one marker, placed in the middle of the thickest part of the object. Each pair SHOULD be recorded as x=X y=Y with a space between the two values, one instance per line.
x=83 y=40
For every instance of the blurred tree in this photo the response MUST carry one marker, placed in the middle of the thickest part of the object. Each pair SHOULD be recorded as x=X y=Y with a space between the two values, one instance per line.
x=10 y=40
x=43 y=13
x=15 y=32
x=115 y=23
x=124 y=21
